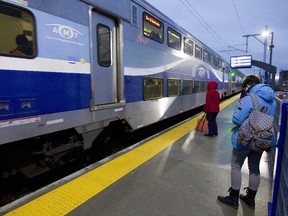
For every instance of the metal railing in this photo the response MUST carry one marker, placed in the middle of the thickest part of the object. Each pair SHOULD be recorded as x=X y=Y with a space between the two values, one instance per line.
x=279 y=204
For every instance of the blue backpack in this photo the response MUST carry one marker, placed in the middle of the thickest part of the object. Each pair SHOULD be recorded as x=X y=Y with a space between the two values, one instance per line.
x=257 y=130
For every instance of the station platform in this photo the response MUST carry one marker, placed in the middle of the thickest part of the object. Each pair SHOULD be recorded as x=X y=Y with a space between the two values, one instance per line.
x=177 y=172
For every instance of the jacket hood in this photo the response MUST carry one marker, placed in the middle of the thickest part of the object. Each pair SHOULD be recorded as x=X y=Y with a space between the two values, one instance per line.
x=263 y=91
x=212 y=85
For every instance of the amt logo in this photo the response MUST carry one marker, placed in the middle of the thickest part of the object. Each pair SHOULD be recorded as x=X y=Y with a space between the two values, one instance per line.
x=65 y=31
x=201 y=71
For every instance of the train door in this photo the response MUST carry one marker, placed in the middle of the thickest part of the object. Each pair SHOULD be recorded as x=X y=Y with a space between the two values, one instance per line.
x=104 y=60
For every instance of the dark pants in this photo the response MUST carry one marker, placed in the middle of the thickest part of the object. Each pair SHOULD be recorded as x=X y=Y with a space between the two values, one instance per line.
x=237 y=160
x=212 y=125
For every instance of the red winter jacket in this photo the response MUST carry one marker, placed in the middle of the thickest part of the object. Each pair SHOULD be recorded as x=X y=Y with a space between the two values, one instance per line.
x=212 y=98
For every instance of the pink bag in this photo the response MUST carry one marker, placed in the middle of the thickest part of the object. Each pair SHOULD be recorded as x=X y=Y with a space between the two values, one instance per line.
x=202 y=124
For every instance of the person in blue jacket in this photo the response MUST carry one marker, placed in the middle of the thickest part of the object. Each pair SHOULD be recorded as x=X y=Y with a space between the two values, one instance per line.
x=265 y=96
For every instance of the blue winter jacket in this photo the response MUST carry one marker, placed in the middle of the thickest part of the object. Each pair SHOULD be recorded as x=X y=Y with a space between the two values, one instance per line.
x=265 y=96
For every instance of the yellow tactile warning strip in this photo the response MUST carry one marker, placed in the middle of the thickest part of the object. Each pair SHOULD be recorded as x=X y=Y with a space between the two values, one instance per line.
x=69 y=196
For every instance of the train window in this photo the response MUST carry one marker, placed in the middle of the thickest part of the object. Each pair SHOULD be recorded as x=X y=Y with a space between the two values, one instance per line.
x=188 y=46
x=17 y=32
x=197 y=86
x=206 y=56
x=174 y=87
x=238 y=84
x=198 y=52
x=216 y=61
x=187 y=87
x=153 y=88
x=204 y=86
x=174 y=39
x=103 y=46
x=219 y=64
x=153 y=28
x=212 y=59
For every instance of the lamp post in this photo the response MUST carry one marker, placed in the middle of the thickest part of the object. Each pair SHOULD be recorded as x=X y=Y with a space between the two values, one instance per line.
x=265 y=47
x=271 y=46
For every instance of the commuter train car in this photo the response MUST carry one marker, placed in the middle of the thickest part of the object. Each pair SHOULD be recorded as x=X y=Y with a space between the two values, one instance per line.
x=73 y=72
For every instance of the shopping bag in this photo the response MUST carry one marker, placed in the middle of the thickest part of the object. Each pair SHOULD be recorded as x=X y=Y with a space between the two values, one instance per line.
x=202 y=124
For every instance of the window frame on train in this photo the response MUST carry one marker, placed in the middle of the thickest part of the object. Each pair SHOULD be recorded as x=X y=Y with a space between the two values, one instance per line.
x=19 y=39
x=204 y=86
x=211 y=60
x=173 y=87
x=153 y=28
x=173 y=39
x=153 y=88
x=198 y=51
x=197 y=86
x=187 y=87
x=216 y=62
x=104 y=49
x=206 y=56
x=188 y=46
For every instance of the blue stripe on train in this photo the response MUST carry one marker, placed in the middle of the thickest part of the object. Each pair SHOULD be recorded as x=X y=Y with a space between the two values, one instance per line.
x=134 y=88
x=25 y=93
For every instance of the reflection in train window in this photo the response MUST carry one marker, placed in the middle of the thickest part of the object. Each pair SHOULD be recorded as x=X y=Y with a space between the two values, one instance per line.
x=103 y=46
x=206 y=56
x=187 y=87
x=17 y=32
x=211 y=61
x=153 y=28
x=174 y=39
x=238 y=84
x=188 y=46
x=174 y=87
x=216 y=62
x=197 y=86
x=204 y=86
x=198 y=51
x=153 y=88
x=219 y=64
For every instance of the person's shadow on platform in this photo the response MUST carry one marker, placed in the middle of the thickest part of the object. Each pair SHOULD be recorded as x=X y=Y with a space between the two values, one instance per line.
x=228 y=211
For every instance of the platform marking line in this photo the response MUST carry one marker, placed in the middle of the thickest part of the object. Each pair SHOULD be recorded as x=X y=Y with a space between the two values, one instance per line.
x=69 y=196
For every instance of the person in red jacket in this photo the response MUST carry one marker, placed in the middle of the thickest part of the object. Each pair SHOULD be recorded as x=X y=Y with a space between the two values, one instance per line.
x=212 y=107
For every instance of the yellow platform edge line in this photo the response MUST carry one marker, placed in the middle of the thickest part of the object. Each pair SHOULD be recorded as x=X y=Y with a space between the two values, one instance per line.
x=69 y=196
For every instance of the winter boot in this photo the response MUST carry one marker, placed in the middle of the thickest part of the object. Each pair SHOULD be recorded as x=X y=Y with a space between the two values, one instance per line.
x=232 y=200
x=249 y=198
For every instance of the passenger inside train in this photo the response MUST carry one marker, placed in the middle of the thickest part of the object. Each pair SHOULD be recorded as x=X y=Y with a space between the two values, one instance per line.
x=23 y=46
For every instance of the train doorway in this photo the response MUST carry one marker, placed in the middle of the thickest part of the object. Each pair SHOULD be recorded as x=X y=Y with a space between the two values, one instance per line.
x=104 y=60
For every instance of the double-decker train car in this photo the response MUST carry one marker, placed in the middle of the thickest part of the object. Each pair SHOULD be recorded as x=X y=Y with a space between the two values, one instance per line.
x=73 y=72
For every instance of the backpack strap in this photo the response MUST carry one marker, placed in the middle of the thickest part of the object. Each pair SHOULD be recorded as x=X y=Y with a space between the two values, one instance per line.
x=254 y=100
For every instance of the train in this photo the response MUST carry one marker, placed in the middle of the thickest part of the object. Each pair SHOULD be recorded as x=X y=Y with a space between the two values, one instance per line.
x=75 y=72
